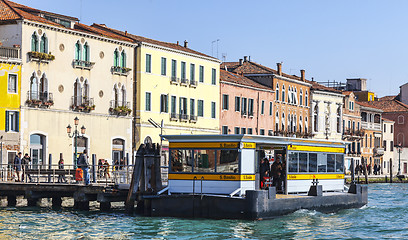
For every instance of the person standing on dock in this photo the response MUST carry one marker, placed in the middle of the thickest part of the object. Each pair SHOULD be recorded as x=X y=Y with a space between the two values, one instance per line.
x=276 y=170
x=25 y=161
x=17 y=165
x=61 y=177
x=84 y=165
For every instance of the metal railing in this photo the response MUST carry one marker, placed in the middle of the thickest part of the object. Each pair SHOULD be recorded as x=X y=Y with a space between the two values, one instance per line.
x=184 y=81
x=39 y=97
x=193 y=118
x=46 y=174
x=8 y=52
x=82 y=103
x=174 y=116
x=184 y=117
x=193 y=83
x=115 y=104
x=120 y=70
x=174 y=79
x=76 y=63
x=370 y=125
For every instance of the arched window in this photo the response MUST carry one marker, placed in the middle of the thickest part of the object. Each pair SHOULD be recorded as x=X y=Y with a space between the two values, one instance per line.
x=300 y=124
x=339 y=119
x=123 y=59
x=290 y=99
x=116 y=58
x=34 y=87
x=116 y=96
x=123 y=96
x=77 y=51
x=306 y=125
x=295 y=96
x=85 y=90
x=77 y=93
x=86 y=52
x=34 y=42
x=283 y=121
x=283 y=93
x=277 y=121
x=44 y=44
x=306 y=99
x=315 y=118
x=301 y=97
x=43 y=88
x=277 y=92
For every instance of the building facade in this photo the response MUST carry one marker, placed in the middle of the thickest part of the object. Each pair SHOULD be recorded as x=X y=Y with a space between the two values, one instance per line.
x=10 y=85
x=70 y=70
x=246 y=106
x=388 y=143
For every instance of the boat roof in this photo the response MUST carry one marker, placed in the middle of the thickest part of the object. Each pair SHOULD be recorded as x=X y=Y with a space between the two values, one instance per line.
x=261 y=140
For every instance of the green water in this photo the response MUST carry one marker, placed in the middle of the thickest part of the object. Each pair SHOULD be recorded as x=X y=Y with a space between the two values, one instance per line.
x=384 y=217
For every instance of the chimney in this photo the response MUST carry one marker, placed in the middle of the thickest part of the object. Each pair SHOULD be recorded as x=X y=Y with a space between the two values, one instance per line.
x=177 y=42
x=240 y=62
x=125 y=33
x=185 y=43
x=302 y=75
x=245 y=59
x=279 y=66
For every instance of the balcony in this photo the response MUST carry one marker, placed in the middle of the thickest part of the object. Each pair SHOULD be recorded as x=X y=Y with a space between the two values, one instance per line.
x=250 y=114
x=40 y=57
x=193 y=83
x=371 y=126
x=193 y=118
x=123 y=71
x=184 y=81
x=174 y=116
x=174 y=80
x=39 y=99
x=82 y=64
x=82 y=104
x=184 y=117
x=378 y=151
x=119 y=108
x=10 y=53
x=351 y=135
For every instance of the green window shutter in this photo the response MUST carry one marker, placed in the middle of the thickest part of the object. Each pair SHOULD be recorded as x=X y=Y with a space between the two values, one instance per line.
x=192 y=71
x=200 y=106
x=183 y=70
x=173 y=68
x=34 y=42
x=212 y=109
x=148 y=101
x=163 y=66
x=213 y=77
x=148 y=63
x=7 y=121
x=123 y=59
x=77 y=51
x=192 y=110
x=201 y=74
x=167 y=103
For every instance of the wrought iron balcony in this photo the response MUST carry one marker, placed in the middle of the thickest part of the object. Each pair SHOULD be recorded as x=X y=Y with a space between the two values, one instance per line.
x=174 y=80
x=193 y=118
x=184 y=81
x=82 y=104
x=82 y=64
x=193 y=83
x=120 y=108
x=183 y=117
x=174 y=116
x=124 y=71
x=39 y=99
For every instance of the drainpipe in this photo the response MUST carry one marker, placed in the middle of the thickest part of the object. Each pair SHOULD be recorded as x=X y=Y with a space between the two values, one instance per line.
x=134 y=98
x=257 y=117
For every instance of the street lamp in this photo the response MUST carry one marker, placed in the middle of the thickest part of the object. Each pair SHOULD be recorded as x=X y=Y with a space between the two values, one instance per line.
x=399 y=148
x=75 y=135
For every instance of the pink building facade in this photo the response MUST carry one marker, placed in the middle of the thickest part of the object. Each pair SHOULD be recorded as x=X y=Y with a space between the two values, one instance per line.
x=246 y=106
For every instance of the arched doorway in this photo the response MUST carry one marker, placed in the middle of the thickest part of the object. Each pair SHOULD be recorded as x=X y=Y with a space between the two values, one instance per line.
x=37 y=150
x=118 y=147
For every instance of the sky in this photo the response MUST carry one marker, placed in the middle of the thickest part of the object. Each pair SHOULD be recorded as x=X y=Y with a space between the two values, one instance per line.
x=331 y=40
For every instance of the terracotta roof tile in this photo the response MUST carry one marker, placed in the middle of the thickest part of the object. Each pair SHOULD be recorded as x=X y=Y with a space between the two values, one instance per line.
x=7 y=12
x=347 y=93
x=387 y=98
x=35 y=11
x=317 y=86
x=387 y=105
x=98 y=31
x=238 y=79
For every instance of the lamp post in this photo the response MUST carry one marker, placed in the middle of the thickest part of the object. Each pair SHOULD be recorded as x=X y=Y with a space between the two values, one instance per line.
x=399 y=148
x=75 y=135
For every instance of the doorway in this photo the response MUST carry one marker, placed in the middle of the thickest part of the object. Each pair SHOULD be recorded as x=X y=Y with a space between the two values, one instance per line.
x=37 y=147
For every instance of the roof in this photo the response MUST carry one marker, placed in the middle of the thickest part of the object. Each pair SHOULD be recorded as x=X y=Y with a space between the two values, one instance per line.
x=320 y=87
x=149 y=40
x=387 y=120
x=347 y=93
x=387 y=98
x=238 y=79
x=388 y=105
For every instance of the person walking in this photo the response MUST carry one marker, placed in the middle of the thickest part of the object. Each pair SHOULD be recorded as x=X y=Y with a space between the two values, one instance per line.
x=17 y=165
x=61 y=177
x=84 y=165
x=25 y=161
x=276 y=170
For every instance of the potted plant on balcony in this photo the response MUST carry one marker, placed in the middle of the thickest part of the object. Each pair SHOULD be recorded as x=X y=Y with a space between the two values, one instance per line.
x=41 y=56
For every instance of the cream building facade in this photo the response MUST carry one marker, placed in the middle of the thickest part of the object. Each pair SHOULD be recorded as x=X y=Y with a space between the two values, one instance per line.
x=389 y=162
x=71 y=70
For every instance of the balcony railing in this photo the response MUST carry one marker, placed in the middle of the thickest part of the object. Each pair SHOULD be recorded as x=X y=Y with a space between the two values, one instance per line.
x=174 y=80
x=174 y=116
x=183 y=117
x=120 y=108
x=120 y=70
x=82 y=64
x=378 y=151
x=193 y=118
x=82 y=104
x=39 y=99
x=193 y=83
x=40 y=57
x=184 y=81
x=371 y=126
x=7 y=52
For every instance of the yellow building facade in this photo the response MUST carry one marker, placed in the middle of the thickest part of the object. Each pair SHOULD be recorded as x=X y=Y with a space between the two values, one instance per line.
x=10 y=85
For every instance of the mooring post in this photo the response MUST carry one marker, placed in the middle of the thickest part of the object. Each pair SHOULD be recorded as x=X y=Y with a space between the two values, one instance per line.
x=49 y=166
x=136 y=177
x=127 y=159
x=93 y=168
x=390 y=170
x=56 y=202
x=11 y=201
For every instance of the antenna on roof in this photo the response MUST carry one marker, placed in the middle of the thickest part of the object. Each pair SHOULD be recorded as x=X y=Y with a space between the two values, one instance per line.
x=224 y=57
x=80 y=10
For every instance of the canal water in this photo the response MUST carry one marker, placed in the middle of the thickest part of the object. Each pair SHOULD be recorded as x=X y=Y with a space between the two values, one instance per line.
x=384 y=217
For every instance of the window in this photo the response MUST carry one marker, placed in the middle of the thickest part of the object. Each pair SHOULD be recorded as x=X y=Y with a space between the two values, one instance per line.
x=12 y=83
x=316 y=119
x=251 y=107
x=354 y=126
x=213 y=77
x=34 y=42
x=385 y=128
x=250 y=131
x=122 y=59
x=200 y=108
x=270 y=108
x=44 y=44
x=201 y=77
x=277 y=122
x=12 y=121
x=173 y=104
x=366 y=140
x=262 y=107
x=400 y=119
x=213 y=109
x=243 y=130
x=148 y=101
x=85 y=57
x=301 y=97
x=148 y=63
x=183 y=106
x=277 y=92
x=358 y=125
x=192 y=72
x=78 y=51
x=306 y=99
x=349 y=125
x=283 y=93
x=236 y=130
x=391 y=146
x=283 y=122
x=262 y=132
x=192 y=107
x=224 y=129
x=392 y=128
x=163 y=66
x=243 y=106
x=183 y=70
x=339 y=119
x=115 y=57
x=225 y=102
x=173 y=68
x=237 y=104
x=385 y=145
x=371 y=141
x=164 y=102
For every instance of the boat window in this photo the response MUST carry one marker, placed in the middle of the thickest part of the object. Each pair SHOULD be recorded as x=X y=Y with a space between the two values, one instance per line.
x=181 y=161
x=204 y=160
x=330 y=162
x=293 y=162
x=321 y=162
x=312 y=162
x=302 y=162
x=339 y=163
x=228 y=161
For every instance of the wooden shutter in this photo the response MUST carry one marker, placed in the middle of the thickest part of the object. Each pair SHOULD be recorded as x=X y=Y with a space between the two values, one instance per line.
x=7 y=121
